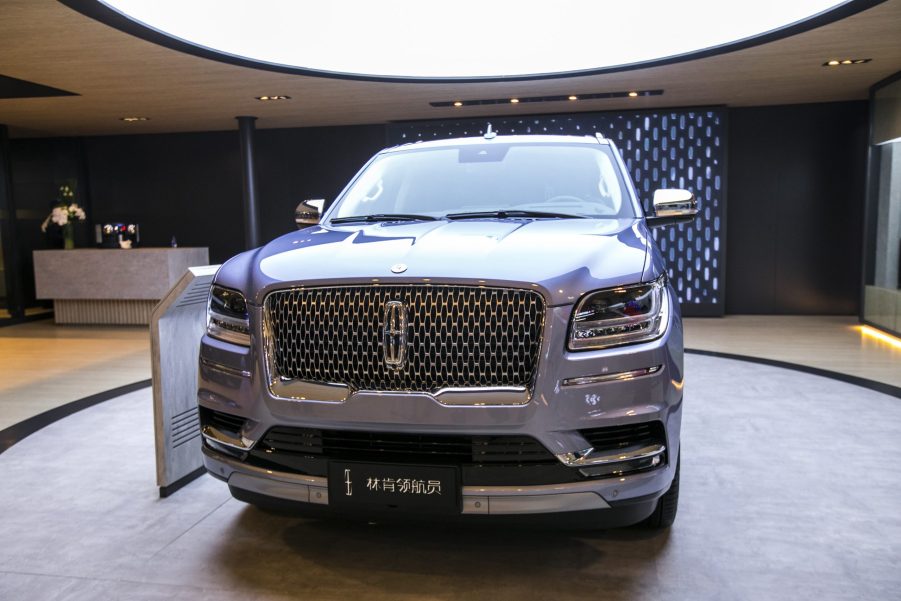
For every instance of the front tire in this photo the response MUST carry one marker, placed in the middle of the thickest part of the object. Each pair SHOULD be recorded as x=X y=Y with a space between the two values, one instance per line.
x=665 y=513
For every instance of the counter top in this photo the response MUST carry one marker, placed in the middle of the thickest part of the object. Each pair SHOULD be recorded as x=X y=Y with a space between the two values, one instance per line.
x=111 y=273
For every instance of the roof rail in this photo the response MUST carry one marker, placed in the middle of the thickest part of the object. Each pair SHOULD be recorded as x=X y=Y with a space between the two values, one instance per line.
x=600 y=137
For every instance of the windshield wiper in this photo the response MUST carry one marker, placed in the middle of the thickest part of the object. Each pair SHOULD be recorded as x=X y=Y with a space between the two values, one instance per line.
x=512 y=213
x=383 y=217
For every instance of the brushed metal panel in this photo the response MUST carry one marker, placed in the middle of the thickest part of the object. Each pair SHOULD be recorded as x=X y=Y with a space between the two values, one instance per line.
x=177 y=325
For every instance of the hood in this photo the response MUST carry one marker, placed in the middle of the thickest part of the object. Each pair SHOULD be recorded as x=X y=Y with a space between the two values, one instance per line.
x=563 y=258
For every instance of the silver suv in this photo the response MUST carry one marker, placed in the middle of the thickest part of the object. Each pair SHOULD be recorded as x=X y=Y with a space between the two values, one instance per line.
x=475 y=327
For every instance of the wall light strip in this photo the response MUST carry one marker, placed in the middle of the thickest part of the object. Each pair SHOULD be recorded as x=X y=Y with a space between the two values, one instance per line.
x=840 y=62
x=268 y=98
x=133 y=119
x=871 y=332
x=532 y=99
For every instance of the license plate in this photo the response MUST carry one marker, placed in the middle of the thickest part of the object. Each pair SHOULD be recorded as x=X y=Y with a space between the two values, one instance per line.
x=417 y=488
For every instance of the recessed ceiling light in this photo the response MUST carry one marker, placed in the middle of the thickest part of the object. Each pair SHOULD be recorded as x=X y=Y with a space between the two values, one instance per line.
x=533 y=99
x=836 y=62
x=633 y=94
x=132 y=119
x=265 y=98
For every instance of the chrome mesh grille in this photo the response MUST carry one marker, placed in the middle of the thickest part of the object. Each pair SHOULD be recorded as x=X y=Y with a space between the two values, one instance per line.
x=457 y=336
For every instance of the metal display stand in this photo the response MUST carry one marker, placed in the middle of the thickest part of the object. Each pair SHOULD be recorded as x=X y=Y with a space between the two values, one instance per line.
x=177 y=324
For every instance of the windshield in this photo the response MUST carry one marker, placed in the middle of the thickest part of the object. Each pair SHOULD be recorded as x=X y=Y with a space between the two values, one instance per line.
x=566 y=179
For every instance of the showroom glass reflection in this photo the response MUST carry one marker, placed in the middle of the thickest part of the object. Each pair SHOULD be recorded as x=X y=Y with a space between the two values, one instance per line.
x=882 y=291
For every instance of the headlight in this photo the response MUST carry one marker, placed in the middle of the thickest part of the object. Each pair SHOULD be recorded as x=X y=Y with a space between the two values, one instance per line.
x=617 y=316
x=227 y=316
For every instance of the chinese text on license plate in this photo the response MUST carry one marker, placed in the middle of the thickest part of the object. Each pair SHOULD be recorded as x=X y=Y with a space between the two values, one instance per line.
x=421 y=488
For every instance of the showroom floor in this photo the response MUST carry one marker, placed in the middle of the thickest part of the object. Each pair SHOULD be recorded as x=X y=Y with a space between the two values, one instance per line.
x=786 y=494
x=43 y=366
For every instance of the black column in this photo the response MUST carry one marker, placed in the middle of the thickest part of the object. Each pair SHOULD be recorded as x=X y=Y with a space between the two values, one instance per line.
x=14 y=301
x=249 y=177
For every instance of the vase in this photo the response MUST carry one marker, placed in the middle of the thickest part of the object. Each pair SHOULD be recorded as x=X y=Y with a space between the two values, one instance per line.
x=69 y=236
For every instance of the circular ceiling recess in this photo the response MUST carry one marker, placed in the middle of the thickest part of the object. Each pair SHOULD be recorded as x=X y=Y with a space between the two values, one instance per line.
x=465 y=40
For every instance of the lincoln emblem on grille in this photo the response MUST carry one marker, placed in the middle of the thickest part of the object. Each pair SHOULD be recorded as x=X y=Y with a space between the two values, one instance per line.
x=394 y=338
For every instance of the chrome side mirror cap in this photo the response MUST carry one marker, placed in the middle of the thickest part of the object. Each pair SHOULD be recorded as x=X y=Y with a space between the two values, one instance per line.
x=672 y=205
x=308 y=212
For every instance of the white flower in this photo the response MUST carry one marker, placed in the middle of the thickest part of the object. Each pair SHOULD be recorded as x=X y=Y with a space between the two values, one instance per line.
x=59 y=216
x=63 y=214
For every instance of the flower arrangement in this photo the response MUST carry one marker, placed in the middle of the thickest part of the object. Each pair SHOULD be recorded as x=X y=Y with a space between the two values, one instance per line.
x=64 y=215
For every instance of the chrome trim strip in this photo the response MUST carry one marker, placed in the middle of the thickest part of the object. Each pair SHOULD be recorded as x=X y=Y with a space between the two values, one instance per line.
x=225 y=368
x=218 y=436
x=590 y=457
x=618 y=376
x=488 y=395
x=230 y=467
x=273 y=488
x=302 y=390
x=554 y=503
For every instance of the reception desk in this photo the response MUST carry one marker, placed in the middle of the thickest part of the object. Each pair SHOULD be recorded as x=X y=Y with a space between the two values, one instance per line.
x=110 y=286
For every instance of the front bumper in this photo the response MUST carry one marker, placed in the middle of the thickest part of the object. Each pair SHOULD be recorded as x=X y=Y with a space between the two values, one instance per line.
x=476 y=500
x=571 y=396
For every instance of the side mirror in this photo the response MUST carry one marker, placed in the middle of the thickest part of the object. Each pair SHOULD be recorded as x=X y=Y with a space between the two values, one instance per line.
x=308 y=212
x=672 y=205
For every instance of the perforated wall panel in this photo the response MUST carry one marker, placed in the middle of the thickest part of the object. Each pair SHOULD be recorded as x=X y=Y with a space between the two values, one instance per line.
x=662 y=149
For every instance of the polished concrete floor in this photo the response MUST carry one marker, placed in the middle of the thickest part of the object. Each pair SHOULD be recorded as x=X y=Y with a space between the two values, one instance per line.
x=790 y=491
x=831 y=342
x=43 y=365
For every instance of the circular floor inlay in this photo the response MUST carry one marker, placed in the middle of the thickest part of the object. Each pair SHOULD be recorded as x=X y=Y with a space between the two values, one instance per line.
x=788 y=491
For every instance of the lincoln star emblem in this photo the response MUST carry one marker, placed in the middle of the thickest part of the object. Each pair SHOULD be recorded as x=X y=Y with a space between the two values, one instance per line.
x=348 y=485
x=394 y=336
x=398 y=268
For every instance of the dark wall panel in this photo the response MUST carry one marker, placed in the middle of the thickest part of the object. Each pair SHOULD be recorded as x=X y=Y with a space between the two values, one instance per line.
x=39 y=167
x=182 y=185
x=315 y=162
x=189 y=185
x=795 y=183
x=796 y=186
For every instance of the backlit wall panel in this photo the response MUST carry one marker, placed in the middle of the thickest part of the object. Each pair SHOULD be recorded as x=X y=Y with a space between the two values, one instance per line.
x=662 y=149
